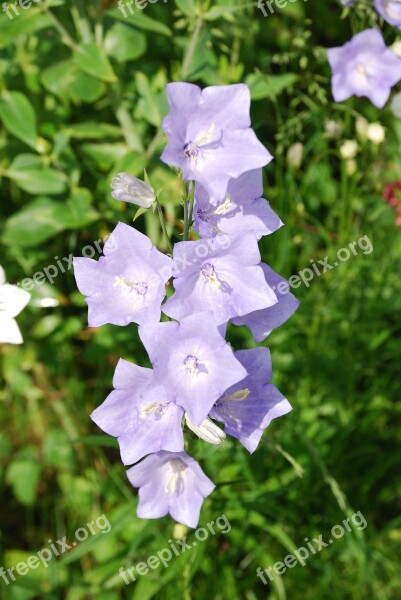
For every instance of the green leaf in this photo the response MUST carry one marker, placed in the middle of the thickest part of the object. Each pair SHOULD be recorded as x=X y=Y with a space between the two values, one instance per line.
x=28 y=172
x=67 y=81
x=188 y=7
x=95 y=131
x=79 y=210
x=19 y=117
x=28 y=22
x=92 y=60
x=140 y=20
x=37 y=222
x=147 y=105
x=269 y=86
x=23 y=476
x=124 y=43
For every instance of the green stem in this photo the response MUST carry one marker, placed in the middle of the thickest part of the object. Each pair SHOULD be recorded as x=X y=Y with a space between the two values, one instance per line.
x=188 y=209
x=65 y=36
x=191 y=48
x=163 y=225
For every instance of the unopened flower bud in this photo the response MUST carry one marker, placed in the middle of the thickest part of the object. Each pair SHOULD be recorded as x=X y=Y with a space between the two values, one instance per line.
x=131 y=189
x=207 y=431
x=295 y=155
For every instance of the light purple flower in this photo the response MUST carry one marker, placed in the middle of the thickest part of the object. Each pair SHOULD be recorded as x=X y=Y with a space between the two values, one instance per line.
x=248 y=407
x=242 y=209
x=141 y=426
x=364 y=66
x=262 y=322
x=390 y=10
x=127 y=284
x=192 y=361
x=170 y=483
x=221 y=274
x=210 y=135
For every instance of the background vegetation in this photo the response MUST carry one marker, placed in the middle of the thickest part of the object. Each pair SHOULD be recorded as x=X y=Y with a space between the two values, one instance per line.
x=82 y=97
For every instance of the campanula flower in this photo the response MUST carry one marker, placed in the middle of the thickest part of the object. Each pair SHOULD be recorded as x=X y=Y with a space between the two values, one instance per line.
x=127 y=284
x=262 y=322
x=192 y=361
x=249 y=406
x=222 y=275
x=209 y=135
x=172 y=483
x=242 y=209
x=141 y=426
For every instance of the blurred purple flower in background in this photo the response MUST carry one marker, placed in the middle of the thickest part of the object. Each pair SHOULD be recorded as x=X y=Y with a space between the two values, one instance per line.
x=364 y=66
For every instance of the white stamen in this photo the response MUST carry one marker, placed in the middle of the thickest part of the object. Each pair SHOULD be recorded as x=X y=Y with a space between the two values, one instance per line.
x=208 y=431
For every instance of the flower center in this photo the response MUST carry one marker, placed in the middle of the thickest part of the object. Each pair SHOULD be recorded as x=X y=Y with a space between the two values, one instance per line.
x=140 y=287
x=156 y=409
x=175 y=477
x=191 y=363
x=191 y=149
x=209 y=274
x=361 y=68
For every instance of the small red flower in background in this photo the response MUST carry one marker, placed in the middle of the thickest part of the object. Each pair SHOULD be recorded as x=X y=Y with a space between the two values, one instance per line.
x=392 y=195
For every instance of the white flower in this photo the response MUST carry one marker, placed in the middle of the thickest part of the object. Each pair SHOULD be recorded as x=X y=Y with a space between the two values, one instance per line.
x=376 y=133
x=349 y=149
x=362 y=127
x=12 y=301
x=207 y=431
x=131 y=189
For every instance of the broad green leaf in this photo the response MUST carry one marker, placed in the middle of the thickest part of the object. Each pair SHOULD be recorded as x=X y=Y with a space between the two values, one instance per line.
x=188 y=7
x=269 y=86
x=95 y=131
x=67 y=81
x=19 y=117
x=92 y=60
x=27 y=22
x=23 y=476
x=147 y=105
x=140 y=20
x=38 y=179
x=37 y=222
x=79 y=211
x=124 y=43
x=225 y=11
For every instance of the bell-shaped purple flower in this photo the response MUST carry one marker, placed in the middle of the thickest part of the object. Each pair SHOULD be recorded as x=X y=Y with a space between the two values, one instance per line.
x=364 y=66
x=170 y=483
x=210 y=135
x=390 y=10
x=248 y=407
x=127 y=284
x=262 y=322
x=192 y=361
x=221 y=274
x=242 y=209
x=141 y=426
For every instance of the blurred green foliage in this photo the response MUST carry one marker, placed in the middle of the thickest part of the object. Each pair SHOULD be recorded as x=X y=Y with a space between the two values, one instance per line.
x=81 y=98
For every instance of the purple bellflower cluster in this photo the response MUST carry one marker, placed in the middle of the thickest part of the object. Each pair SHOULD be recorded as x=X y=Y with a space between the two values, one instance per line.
x=197 y=381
